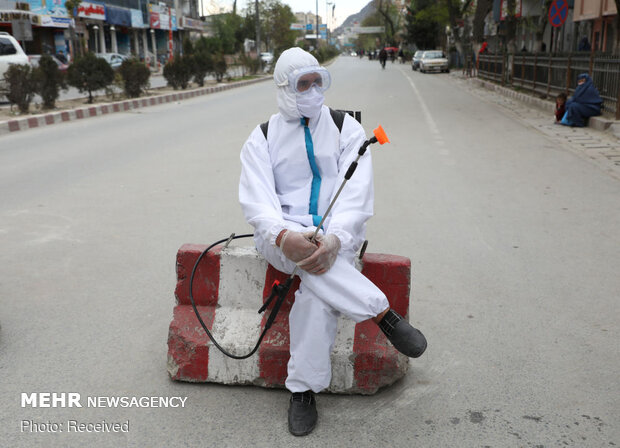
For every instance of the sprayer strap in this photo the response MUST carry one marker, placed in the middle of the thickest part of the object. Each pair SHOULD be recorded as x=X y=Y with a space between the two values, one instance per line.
x=337 y=116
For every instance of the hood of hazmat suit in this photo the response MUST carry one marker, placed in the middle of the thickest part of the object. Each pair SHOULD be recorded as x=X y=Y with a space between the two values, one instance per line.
x=294 y=105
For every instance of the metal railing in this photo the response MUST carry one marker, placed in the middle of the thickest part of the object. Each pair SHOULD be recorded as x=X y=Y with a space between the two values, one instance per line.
x=548 y=74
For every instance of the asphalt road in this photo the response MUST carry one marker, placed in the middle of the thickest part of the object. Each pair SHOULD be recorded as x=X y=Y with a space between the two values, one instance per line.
x=513 y=241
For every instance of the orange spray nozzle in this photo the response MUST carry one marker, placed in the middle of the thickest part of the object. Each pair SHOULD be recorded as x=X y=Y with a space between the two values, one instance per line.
x=381 y=135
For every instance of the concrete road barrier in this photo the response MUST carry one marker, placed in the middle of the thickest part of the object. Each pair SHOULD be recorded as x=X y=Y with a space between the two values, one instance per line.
x=230 y=286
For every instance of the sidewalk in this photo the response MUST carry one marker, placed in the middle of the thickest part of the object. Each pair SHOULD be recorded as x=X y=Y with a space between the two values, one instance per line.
x=599 y=142
x=26 y=122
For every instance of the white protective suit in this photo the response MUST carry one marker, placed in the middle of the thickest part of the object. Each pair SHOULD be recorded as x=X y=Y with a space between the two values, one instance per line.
x=275 y=193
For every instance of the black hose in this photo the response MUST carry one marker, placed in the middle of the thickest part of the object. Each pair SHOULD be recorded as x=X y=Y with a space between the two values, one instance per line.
x=279 y=292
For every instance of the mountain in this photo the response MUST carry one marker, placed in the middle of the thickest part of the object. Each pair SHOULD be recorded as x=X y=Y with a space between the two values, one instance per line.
x=366 y=11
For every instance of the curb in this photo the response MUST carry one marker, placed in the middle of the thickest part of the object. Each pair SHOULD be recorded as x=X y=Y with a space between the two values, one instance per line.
x=599 y=123
x=47 y=119
x=232 y=283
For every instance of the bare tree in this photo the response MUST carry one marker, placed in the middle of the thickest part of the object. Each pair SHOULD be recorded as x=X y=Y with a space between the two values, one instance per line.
x=456 y=13
x=483 y=8
x=383 y=8
x=543 y=20
x=511 y=26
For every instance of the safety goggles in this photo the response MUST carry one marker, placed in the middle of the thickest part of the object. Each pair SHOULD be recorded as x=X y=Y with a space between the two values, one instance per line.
x=302 y=80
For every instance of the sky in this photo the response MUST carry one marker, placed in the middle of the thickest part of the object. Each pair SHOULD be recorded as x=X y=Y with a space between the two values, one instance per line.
x=344 y=8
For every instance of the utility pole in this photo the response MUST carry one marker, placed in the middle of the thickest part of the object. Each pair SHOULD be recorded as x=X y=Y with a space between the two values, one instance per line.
x=317 y=24
x=327 y=4
x=256 y=15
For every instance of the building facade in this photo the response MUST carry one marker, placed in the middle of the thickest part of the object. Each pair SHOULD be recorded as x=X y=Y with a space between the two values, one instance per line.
x=597 y=19
x=150 y=31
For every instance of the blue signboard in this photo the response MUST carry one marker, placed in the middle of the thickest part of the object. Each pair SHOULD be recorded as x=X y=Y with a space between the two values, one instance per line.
x=50 y=8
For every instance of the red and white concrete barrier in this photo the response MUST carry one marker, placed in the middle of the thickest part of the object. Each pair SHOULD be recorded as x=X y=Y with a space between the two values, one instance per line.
x=230 y=286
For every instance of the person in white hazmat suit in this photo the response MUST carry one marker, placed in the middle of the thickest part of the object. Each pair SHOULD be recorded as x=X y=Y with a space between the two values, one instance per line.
x=288 y=179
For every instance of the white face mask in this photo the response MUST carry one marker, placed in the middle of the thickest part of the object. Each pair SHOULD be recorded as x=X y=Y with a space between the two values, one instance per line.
x=309 y=103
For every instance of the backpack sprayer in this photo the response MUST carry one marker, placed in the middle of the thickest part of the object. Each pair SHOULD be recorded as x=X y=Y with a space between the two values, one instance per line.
x=279 y=291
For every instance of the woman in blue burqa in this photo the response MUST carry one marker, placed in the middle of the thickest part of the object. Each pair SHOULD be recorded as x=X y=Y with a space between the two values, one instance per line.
x=585 y=102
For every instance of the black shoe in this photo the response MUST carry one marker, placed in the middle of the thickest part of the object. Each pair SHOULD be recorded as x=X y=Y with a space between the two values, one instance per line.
x=406 y=339
x=302 y=415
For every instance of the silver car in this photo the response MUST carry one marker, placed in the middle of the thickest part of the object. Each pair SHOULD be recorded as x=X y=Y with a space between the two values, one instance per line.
x=114 y=59
x=434 y=60
x=417 y=57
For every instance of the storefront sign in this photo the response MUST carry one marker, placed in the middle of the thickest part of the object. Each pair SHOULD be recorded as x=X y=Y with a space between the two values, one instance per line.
x=137 y=21
x=118 y=16
x=95 y=11
x=22 y=29
x=55 y=22
x=192 y=24
x=154 y=21
x=54 y=8
x=160 y=18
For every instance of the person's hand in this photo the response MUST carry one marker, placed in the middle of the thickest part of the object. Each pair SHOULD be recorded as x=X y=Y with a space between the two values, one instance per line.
x=297 y=246
x=324 y=257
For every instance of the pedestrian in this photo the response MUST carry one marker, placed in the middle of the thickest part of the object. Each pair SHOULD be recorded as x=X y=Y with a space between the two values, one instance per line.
x=290 y=171
x=383 y=57
x=585 y=103
x=560 y=107
x=61 y=57
x=584 y=44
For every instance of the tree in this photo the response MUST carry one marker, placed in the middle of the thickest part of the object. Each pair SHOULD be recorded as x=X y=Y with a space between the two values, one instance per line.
x=49 y=81
x=135 y=77
x=21 y=86
x=278 y=19
x=483 y=8
x=617 y=46
x=227 y=28
x=275 y=25
x=543 y=20
x=201 y=58
x=426 y=20
x=510 y=22
x=457 y=10
x=388 y=12
x=89 y=73
x=368 y=41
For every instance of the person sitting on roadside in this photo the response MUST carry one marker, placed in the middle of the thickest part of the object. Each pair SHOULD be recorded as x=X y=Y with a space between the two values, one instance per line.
x=61 y=57
x=585 y=103
x=560 y=107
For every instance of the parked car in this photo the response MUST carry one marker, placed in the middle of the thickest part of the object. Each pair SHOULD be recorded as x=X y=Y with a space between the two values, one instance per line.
x=417 y=57
x=35 y=58
x=10 y=53
x=266 y=57
x=114 y=59
x=434 y=61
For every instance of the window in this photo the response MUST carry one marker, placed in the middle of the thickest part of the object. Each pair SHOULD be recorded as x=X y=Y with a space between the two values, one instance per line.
x=6 y=47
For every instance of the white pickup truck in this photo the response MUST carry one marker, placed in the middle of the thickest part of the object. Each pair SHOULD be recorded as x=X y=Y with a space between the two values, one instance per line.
x=10 y=53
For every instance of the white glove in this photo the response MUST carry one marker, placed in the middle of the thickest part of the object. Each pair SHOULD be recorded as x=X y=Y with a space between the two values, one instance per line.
x=296 y=246
x=324 y=257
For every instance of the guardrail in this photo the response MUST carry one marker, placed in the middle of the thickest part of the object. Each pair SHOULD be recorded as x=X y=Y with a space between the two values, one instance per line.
x=548 y=74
